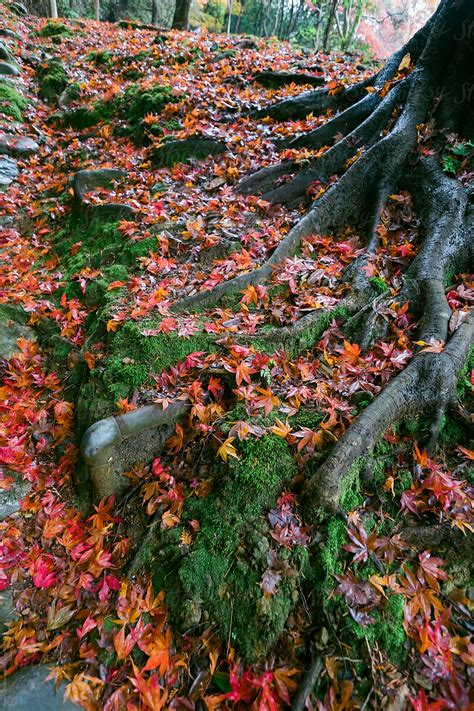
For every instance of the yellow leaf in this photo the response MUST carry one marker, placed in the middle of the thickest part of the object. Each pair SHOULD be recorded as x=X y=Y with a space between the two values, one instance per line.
x=227 y=449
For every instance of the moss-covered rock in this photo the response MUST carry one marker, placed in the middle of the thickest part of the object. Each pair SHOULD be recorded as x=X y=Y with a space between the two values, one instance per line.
x=11 y=102
x=52 y=79
x=54 y=28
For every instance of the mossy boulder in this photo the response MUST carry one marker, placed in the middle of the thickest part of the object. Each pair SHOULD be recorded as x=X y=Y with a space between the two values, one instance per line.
x=52 y=79
x=54 y=28
x=11 y=102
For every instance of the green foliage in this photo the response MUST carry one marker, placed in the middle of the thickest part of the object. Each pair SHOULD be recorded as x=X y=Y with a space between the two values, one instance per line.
x=52 y=78
x=454 y=156
x=11 y=102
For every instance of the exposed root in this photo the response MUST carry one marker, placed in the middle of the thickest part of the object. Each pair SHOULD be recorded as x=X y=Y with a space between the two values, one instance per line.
x=307 y=685
x=429 y=379
x=332 y=161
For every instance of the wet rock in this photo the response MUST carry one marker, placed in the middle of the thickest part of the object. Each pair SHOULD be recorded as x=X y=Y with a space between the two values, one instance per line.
x=5 y=55
x=197 y=147
x=10 y=498
x=8 y=69
x=8 y=171
x=12 y=327
x=17 y=145
x=28 y=690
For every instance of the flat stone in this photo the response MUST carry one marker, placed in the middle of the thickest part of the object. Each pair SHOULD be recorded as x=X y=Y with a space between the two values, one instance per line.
x=28 y=690
x=17 y=146
x=5 y=55
x=9 y=69
x=8 y=171
x=12 y=327
x=10 y=498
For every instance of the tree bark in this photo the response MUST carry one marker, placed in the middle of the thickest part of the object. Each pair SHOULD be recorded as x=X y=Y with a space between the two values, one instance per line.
x=181 y=15
x=97 y=10
x=53 y=9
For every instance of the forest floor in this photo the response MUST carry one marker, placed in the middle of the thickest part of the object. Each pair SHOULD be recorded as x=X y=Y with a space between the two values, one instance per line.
x=234 y=595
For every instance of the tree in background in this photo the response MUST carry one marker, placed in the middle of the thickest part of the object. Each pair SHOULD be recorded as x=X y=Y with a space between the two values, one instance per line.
x=181 y=15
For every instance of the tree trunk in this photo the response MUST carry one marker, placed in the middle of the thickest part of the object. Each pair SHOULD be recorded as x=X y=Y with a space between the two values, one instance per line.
x=154 y=12
x=53 y=9
x=181 y=15
x=97 y=10
x=327 y=29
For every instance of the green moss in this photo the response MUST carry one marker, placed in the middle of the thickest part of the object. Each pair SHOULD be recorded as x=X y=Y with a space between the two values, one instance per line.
x=379 y=285
x=332 y=552
x=53 y=28
x=217 y=582
x=146 y=354
x=11 y=102
x=101 y=58
x=52 y=79
x=464 y=386
x=387 y=632
x=350 y=496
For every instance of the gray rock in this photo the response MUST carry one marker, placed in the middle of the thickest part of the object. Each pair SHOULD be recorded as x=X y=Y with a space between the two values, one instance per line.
x=28 y=690
x=7 y=611
x=87 y=180
x=9 y=69
x=8 y=171
x=10 y=499
x=17 y=146
x=12 y=327
x=112 y=445
x=5 y=55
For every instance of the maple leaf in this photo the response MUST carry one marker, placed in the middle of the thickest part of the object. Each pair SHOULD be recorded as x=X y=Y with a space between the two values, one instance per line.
x=227 y=449
x=123 y=645
x=362 y=544
x=281 y=429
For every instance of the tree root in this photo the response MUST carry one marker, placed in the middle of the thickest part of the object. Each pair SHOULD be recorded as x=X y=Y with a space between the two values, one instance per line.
x=428 y=380
x=307 y=685
x=277 y=79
